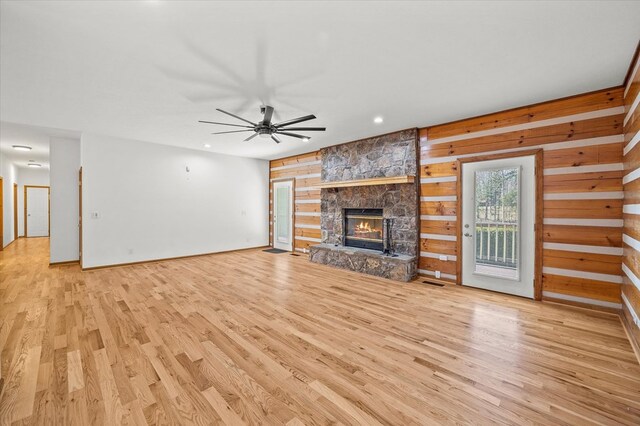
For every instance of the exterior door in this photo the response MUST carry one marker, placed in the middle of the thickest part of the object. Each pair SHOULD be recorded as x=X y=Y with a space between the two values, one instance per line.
x=37 y=206
x=283 y=215
x=498 y=217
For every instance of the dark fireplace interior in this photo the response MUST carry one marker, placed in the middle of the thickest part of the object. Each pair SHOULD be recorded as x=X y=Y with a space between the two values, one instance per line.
x=363 y=228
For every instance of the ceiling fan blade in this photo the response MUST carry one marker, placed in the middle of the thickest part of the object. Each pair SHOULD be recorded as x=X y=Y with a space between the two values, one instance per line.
x=250 y=137
x=310 y=129
x=295 y=120
x=275 y=138
x=233 y=115
x=268 y=114
x=233 y=131
x=294 y=135
x=224 y=124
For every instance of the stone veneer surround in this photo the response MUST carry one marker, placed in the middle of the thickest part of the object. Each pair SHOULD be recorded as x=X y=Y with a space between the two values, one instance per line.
x=390 y=155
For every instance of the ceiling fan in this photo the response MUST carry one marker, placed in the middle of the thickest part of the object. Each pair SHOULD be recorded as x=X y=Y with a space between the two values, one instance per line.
x=266 y=128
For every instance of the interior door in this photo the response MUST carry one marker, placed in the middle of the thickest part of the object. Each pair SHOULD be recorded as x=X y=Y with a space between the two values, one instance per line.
x=1 y=214
x=283 y=215
x=37 y=205
x=498 y=217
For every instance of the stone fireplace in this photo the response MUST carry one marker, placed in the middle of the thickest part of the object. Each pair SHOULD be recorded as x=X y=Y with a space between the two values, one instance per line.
x=354 y=210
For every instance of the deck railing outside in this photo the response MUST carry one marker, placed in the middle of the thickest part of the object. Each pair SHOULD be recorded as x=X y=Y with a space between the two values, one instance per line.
x=496 y=243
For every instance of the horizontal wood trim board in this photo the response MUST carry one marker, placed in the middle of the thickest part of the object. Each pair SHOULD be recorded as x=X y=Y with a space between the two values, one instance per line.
x=296 y=159
x=425 y=157
x=583 y=235
x=438 y=246
x=598 y=127
x=601 y=99
x=598 y=209
x=368 y=182
x=446 y=267
x=587 y=262
x=584 y=156
x=581 y=287
x=297 y=165
x=432 y=137
x=585 y=182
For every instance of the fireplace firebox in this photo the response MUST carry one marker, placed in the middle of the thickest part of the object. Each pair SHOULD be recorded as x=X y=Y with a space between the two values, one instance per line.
x=363 y=228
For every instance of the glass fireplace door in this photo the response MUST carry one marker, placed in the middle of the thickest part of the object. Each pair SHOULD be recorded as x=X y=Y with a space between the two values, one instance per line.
x=363 y=228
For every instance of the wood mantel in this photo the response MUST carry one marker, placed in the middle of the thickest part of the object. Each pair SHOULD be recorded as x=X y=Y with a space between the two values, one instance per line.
x=366 y=182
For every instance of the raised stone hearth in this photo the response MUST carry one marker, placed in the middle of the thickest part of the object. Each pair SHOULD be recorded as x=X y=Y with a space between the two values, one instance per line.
x=390 y=155
x=400 y=268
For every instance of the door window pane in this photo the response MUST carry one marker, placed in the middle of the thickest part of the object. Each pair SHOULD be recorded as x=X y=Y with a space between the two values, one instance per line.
x=497 y=220
x=282 y=214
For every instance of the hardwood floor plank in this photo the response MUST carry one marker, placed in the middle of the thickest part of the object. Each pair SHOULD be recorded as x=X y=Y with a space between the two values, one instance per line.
x=209 y=341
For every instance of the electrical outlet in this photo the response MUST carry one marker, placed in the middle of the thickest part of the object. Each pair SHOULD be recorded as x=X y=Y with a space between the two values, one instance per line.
x=437 y=274
x=444 y=257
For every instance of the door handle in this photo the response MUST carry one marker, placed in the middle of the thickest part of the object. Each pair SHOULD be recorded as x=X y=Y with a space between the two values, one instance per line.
x=466 y=234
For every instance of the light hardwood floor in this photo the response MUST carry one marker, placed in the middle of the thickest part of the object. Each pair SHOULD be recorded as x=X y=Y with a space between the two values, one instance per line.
x=251 y=337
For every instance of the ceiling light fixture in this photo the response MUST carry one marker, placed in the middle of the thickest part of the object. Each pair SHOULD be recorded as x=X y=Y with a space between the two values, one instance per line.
x=21 y=147
x=378 y=120
x=206 y=145
x=34 y=165
x=305 y=139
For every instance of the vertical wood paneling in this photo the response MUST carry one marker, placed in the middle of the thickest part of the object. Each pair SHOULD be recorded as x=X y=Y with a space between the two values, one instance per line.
x=305 y=169
x=631 y=232
x=582 y=138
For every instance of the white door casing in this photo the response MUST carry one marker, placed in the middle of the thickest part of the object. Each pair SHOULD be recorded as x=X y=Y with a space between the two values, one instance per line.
x=498 y=254
x=283 y=215
x=37 y=212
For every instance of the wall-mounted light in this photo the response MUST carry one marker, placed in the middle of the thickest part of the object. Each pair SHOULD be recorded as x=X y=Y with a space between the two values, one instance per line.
x=21 y=147
x=378 y=120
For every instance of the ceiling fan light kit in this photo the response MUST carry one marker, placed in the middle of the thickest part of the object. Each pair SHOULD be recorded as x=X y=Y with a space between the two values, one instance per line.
x=266 y=129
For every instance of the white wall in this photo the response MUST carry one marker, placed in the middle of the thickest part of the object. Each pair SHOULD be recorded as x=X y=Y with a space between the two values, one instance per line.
x=64 y=163
x=28 y=176
x=150 y=207
x=9 y=173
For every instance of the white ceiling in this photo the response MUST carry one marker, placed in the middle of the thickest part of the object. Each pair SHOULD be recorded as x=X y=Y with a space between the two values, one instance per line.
x=150 y=70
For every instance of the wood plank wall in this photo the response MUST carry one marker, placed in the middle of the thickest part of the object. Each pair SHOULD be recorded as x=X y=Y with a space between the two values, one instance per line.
x=305 y=170
x=582 y=138
x=631 y=208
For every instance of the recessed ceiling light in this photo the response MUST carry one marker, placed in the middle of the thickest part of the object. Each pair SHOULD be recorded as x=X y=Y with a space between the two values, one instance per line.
x=34 y=165
x=378 y=120
x=206 y=145
x=305 y=139
x=21 y=147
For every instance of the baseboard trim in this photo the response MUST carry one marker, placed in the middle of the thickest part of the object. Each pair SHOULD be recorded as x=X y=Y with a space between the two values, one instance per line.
x=632 y=331
x=581 y=305
x=117 y=265
x=12 y=241
x=66 y=262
